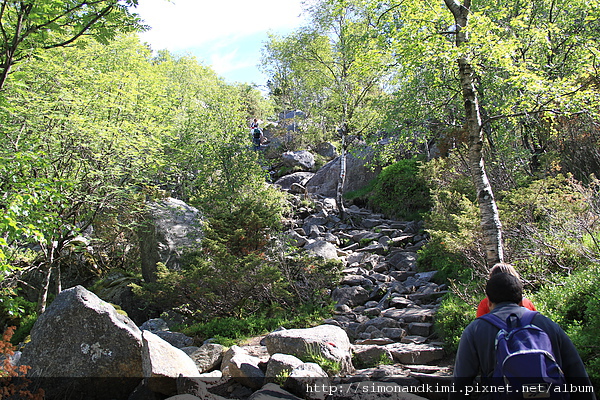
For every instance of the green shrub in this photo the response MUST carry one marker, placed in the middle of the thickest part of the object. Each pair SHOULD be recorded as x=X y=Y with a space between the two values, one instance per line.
x=399 y=191
x=231 y=275
x=452 y=318
x=331 y=367
x=435 y=256
x=20 y=313
x=232 y=330
x=549 y=227
x=574 y=303
x=453 y=222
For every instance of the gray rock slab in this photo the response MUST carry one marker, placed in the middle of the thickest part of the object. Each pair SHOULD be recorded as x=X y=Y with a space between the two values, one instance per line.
x=403 y=261
x=322 y=249
x=161 y=360
x=207 y=357
x=80 y=336
x=351 y=296
x=412 y=314
x=328 y=341
x=416 y=353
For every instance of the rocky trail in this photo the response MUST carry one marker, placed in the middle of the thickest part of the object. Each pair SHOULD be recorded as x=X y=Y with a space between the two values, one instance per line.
x=384 y=306
x=379 y=344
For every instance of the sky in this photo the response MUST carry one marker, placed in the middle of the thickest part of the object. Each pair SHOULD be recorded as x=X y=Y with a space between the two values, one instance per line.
x=227 y=35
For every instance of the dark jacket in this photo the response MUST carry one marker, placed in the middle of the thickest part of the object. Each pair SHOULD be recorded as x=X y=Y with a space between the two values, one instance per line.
x=477 y=356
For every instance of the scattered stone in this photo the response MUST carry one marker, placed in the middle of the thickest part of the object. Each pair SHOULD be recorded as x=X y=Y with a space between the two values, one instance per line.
x=416 y=353
x=371 y=356
x=408 y=315
x=165 y=362
x=280 y=366
x=356 y=280
x=351 y=296
x=245 y=370
x=326 y=150
x=304 y=380
x=272 y=391
x=420 y=328
x=322 y=249
x=176 y=339
x=413 y=339
x=328 y=341
x=154 y=325
x=375 y=341
x=302 y=159
x=207 y=357
x=299 y=178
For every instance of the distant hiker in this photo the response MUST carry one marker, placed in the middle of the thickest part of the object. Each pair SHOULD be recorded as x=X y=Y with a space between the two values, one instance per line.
x=484 y=307
x=256 y=134
x=529 y=348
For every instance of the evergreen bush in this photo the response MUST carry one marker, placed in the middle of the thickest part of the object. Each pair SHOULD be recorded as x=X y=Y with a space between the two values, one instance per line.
x=574 y=303
x=399 y=191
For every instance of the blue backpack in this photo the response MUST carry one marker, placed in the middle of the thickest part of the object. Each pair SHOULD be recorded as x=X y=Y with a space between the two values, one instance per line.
x=525 y=363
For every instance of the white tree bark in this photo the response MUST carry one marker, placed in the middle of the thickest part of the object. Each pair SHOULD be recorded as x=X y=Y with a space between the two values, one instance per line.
x=490 y=219
x=339 y=199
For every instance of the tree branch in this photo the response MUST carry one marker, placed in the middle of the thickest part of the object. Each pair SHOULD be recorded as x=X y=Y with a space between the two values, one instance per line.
x=84 y=29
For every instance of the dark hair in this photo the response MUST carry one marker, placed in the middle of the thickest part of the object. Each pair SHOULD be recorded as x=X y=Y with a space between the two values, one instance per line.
x=504 y=287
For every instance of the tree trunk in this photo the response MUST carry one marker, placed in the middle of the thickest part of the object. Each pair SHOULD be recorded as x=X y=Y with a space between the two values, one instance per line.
x=339 y=200
x=11 y=48
x=490 y=219
x=43 y=300
x=50 y=251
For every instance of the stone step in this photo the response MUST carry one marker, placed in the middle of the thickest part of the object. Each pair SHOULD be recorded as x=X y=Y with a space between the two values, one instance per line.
x=416 y=353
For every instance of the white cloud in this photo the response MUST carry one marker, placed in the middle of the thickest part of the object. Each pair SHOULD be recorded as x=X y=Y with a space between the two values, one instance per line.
x=229 y=62
x=183 y=24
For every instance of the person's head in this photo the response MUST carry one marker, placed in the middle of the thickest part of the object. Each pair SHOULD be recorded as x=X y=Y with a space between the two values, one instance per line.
x=503 y=268
x=503 y=287
x=255 y=120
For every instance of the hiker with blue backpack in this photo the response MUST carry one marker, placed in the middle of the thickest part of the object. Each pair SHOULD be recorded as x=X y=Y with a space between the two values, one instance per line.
x=516 y=352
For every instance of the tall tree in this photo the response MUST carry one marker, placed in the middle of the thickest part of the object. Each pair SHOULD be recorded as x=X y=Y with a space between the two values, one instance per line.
x=490 y=219
x=30 y=25
x=342 y=58
x=516 y=63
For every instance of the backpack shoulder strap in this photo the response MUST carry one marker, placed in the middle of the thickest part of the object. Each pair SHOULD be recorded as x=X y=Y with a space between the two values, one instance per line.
x=527 y=317
x=494 y=320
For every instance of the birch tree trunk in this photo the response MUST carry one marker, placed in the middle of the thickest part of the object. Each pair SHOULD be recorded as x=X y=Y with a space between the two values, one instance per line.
x=339 y=199
x=490 y=219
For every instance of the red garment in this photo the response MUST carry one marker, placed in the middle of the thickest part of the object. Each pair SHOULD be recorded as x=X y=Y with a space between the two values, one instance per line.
x=484 y=306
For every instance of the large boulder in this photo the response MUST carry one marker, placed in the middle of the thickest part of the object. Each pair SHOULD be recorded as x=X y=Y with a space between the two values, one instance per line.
x=358 y=175
x=170 y=227
x=326 y=150
x=327 y=341
x=300 y=178
x=302 y=159
x=81 y=336
x=162 y=364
